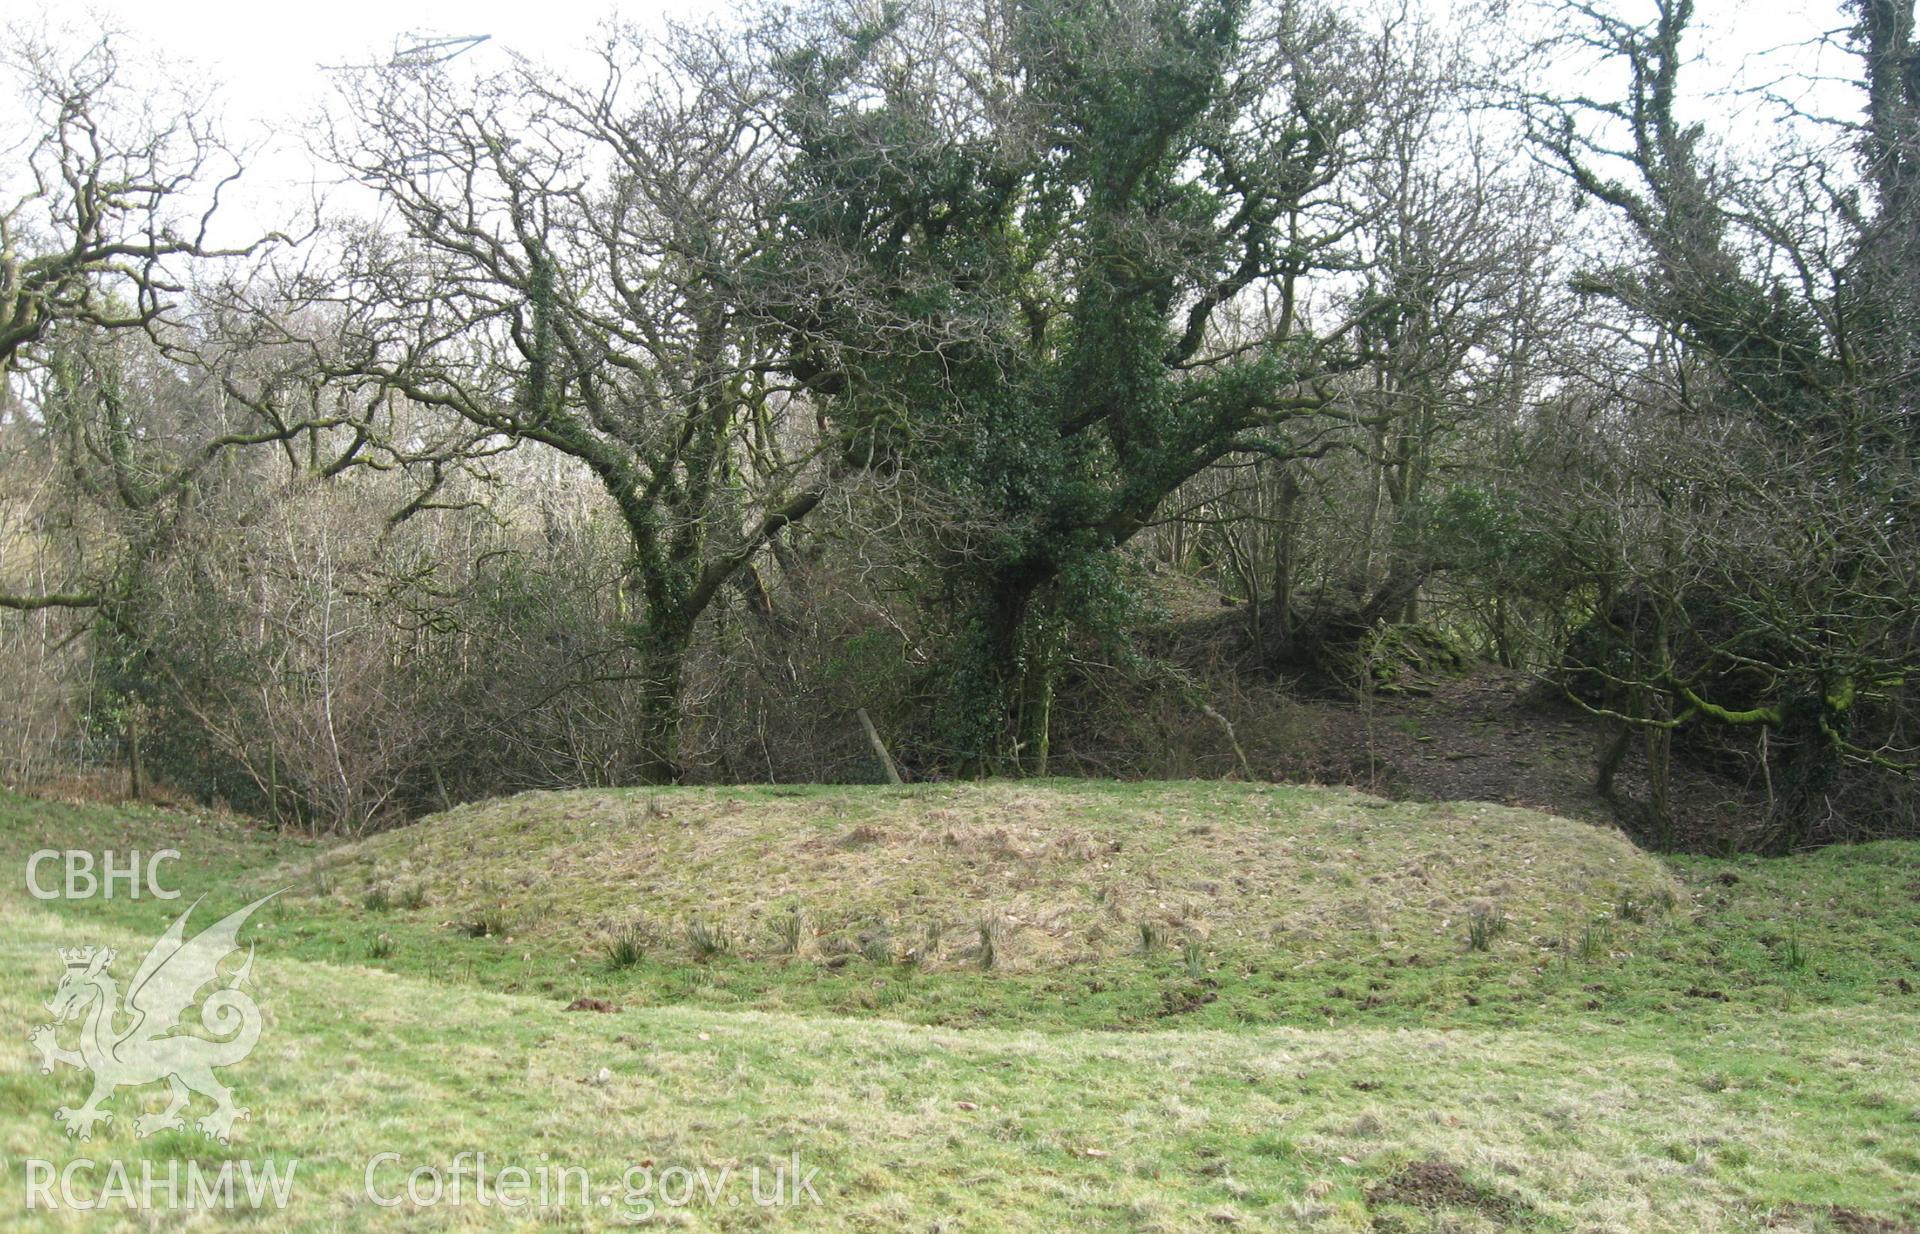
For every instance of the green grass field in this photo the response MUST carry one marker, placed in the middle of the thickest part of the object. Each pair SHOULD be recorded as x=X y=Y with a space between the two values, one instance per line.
x=1020 y=1007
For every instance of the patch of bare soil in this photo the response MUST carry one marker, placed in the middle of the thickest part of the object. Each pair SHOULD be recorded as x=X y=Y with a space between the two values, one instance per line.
x=1431 y=1185
x=1835 y=1218
x=1492 y=736
x=1849 y=1222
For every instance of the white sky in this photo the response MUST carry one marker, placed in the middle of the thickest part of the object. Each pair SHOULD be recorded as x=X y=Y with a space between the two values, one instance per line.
x=265 y=59
x=264 y=62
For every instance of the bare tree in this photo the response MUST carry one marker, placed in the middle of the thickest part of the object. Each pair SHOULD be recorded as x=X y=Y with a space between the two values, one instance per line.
x=109 y=199
x=1769 y=587
x=113 y=196
x=573 y=268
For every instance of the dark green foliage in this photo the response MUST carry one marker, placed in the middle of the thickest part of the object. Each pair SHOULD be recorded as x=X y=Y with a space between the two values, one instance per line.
x=1051 y=279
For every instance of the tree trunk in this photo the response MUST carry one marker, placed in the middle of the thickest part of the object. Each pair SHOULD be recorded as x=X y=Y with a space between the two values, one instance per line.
x=879 y=746
x=988 y=719
x=1502 y=643
x=1396 y=596
x=1610 y=760
x=1280 y=640
x=1035 y=684
x=1808 y=768
x=136 y=771
x=1660 y=785
x=664 y=652
x=1658 y=706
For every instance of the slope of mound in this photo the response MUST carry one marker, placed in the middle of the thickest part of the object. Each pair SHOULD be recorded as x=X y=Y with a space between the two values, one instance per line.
x=1013 y=876
x=1795 y=1125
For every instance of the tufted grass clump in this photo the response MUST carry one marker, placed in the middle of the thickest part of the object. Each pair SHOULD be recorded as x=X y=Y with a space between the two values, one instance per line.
x=627 y=948
x=1483 y=927
x=789 y=930
x=707 y=939
x=986 y=951
x=490 y=922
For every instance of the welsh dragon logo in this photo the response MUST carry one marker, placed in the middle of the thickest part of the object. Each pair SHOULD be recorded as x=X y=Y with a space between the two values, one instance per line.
x=149 y=1048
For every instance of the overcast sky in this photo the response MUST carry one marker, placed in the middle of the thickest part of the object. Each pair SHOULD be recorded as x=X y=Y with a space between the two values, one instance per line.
x=266 y=64
x=266 y=61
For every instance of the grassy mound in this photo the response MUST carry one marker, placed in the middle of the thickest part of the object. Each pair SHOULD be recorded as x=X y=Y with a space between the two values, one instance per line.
x=1224 y=907
x=1018 y=878
x=1747 y=1061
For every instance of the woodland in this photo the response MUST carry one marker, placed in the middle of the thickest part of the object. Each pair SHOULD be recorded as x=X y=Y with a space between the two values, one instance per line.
x=1001 y=388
